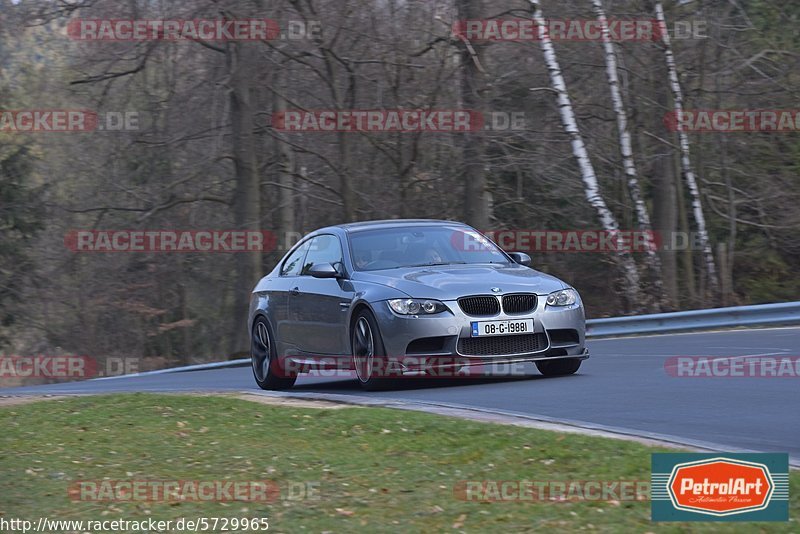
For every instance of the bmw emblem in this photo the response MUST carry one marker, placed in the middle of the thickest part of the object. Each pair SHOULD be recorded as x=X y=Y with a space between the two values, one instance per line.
x=496 y=290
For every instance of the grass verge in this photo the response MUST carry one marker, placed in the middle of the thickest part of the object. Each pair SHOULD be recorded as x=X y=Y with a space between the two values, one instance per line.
x=374 y=469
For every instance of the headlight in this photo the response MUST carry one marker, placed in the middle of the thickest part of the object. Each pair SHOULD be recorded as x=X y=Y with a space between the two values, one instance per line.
x=564 y=297
x=416 y=306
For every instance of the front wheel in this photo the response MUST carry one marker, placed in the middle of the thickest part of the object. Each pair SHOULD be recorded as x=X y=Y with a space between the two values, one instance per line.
x=266 y=368
x=558 y=367
x=367 y=345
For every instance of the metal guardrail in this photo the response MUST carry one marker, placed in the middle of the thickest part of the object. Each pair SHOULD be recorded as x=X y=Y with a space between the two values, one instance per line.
x=763 y=314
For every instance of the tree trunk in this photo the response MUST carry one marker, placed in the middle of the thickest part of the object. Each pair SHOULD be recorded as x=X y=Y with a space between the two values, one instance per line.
x=687 y=254
x=626 y=151
x=591 y=185
x=665 y=207
x=686 y=164
x=473 y=97
x=724 y=273
x=286 y=166
x=241 y=59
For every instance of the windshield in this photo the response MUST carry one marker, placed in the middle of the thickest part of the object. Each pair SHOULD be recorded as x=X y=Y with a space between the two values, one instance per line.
x=391 y=248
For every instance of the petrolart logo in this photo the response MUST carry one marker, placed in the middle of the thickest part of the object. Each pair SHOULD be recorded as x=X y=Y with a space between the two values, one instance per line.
x=720 y=487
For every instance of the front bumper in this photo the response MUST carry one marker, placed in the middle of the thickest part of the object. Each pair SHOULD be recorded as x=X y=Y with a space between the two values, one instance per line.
x=435 y=338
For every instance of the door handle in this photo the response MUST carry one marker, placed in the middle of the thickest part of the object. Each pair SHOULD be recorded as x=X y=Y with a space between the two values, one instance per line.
x=295 y=291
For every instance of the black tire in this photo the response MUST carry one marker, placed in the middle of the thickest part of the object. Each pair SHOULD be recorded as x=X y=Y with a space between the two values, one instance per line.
x=365 y=329
x=558 y=367
x=267 y=371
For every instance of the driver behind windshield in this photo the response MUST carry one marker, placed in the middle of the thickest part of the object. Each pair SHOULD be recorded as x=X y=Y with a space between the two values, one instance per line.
x=433 y=256
x=361 y=260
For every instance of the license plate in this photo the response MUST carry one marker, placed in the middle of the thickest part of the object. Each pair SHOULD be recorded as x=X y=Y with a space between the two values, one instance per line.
x=501 y=328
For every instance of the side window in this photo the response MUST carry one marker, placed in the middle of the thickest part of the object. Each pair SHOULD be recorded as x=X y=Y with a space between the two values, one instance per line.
x=292 y=265
x=323 y=249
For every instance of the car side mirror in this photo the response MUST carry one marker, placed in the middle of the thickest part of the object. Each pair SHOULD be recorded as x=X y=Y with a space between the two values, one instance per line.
x=324 y=270
x=521 y=258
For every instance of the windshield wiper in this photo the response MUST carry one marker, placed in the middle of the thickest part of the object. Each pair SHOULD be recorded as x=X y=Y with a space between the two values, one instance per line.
x=435 y=264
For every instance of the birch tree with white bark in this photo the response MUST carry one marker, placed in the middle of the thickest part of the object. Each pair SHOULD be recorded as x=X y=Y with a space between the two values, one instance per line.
x=683 y=138
x=590 y=182
x=625 y=147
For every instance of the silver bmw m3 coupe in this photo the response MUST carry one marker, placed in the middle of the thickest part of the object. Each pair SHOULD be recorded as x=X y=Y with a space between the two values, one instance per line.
x=409 y=297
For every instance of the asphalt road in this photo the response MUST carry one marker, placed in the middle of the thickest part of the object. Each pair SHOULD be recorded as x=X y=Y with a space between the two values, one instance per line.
x=623 y=386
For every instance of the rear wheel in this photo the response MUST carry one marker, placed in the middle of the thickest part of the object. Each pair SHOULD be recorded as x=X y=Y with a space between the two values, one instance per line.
x=267 y=371
x=367 y=344
x=558 y=367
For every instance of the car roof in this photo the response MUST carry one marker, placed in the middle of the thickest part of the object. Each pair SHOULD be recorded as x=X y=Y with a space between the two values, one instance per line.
x=391 y=223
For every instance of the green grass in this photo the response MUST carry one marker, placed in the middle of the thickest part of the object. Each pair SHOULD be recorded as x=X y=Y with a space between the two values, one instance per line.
x=378 y=469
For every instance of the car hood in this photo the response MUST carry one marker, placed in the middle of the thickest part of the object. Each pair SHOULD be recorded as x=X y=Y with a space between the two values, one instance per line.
x=449 y=282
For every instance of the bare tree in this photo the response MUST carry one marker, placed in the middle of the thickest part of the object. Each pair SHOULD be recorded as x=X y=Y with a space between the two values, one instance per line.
x=686 y=162
x=473 y=87
x=626 y=149
x=241 y=62
x=591 y=184
x=287 y=160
